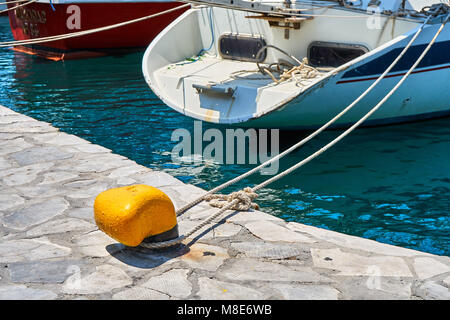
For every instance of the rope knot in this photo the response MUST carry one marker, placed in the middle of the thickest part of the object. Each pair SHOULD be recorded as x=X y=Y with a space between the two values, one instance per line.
x=245 y=197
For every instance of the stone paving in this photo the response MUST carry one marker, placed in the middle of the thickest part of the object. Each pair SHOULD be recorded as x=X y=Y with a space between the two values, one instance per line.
x=50 y=247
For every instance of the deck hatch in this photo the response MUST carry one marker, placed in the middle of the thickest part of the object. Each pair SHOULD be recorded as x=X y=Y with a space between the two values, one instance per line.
x=329 y=54
x=241 y=47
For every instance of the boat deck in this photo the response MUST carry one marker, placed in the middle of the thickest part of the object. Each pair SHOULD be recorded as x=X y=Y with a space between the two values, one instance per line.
x=227 y=71
x=213 y=88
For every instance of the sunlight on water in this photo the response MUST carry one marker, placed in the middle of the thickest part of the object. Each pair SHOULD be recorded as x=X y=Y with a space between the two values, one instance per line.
x=390 y=184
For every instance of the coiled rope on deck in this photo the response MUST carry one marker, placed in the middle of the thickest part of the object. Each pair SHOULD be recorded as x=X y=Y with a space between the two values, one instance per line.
x=90 y=31
x=234 y=201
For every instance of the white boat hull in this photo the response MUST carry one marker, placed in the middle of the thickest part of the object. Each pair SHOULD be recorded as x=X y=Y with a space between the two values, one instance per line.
x=425 y=94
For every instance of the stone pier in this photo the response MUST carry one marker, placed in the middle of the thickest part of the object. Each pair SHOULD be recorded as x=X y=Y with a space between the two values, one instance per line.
x=50 y=247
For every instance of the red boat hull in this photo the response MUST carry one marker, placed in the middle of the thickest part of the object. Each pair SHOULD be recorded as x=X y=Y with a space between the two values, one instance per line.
x=38 y=20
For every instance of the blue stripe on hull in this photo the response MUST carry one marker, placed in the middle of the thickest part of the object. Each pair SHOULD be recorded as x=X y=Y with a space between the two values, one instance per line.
x=367 y=123
x=438 y=55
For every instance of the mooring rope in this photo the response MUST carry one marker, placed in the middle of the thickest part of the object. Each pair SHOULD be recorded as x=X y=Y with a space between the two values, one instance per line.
x=233 y=202
x=15 y=1
x=354 y=126
x=308 y=138
x=245 y=197
x=86 y=32
x=18 y=6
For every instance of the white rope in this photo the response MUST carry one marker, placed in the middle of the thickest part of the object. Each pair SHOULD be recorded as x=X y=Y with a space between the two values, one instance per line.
x=304 y=70
x=354 y=126
x=169 y=243
x=86 y=32
x=15 y=1
x=311 y=136
x=236 y=200
x=18 y=6
x=245 y=197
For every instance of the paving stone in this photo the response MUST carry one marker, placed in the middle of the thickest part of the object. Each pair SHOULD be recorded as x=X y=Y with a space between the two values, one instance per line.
x=60 y=139
x=57 y=176
x=80 y=183
x=201 y=211
x=7 y=112
x=139 y=293
x=186 y=225
x=104 y=279
x=244 y=269
x=127 y=171
x=181 y=194
x=61 y=226
x=27 y=127
x=351 y=264
x=41 y=271
x=96 y=244
x=8 y=201
x=86 y=202
x=99 y=164
x=21 y=292
x=91 y=148
x=352 y=242
x=269 y=231
x=40 y=154
x=88 y=192
x=247 y=216
x=4 y=164
x=173 y=283
x=9 y=136
x=428 y=267
x=206 y=257
x=35 y=214
x=375 y=288
x=45 y=191
x=158 y=179
x=211 y=289
x=136 y=259
x=44 y=137
x=266 y=250
x=11 y=146
x=82 y=213
x=125 y=181
x=26 y=174
x=224 y=230
x=306 y=292
x=432 y=291
x=447 y=281
x=31 y=250
x=11 y=118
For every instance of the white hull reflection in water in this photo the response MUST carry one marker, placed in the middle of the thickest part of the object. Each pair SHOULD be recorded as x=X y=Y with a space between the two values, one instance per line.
x=288 y=71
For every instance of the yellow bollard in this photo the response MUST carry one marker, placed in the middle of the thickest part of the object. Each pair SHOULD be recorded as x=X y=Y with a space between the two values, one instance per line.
x=133 y=213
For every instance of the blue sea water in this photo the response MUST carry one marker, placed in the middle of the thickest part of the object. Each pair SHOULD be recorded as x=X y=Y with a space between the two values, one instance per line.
x=390 y=184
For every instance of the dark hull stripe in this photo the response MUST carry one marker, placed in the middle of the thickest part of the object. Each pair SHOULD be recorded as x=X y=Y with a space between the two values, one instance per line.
x=393 y=75
x=437 y=56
